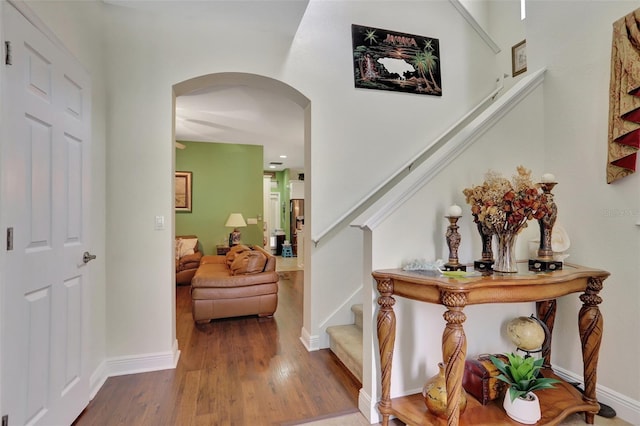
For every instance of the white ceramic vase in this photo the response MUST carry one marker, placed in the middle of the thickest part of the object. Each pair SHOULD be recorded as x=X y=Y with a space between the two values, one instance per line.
x=524 y=410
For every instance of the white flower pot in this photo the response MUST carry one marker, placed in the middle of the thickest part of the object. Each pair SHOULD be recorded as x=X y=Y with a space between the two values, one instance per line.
x=524 y=410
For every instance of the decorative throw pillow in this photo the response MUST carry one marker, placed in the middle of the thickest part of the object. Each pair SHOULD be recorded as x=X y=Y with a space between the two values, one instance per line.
x=239 y=248
x=178 y=247
x=234 y=251
x=187 y=246
x=248 y=262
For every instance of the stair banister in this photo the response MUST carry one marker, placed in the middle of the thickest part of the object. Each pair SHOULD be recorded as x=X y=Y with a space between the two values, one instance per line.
x=409 y=165
x=443 y=156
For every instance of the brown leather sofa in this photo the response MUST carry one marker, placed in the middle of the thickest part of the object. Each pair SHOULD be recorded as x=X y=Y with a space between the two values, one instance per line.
x=188 y=255
x=243 y=282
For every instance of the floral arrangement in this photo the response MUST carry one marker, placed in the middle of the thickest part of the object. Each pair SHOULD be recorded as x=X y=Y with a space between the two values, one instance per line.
x=504 y=206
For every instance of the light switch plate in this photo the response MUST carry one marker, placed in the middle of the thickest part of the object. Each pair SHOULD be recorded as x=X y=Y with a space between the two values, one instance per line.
x=159 y=223
x=252 y=221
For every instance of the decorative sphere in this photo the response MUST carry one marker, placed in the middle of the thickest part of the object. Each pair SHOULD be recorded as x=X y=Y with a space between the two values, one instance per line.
x=526 y=333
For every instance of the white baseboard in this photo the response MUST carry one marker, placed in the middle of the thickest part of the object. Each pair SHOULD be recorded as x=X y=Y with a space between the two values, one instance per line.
x=97 y=379
x=310 y=342
x=120 y=366
x=368 y=407
x=626 y=408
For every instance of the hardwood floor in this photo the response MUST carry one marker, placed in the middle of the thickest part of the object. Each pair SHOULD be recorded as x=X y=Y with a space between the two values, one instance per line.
x=242 y=371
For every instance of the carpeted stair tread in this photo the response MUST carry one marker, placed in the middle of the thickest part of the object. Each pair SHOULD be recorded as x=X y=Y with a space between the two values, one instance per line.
x=346 y=344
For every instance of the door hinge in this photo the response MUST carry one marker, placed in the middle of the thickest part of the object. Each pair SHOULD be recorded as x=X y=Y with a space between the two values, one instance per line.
x=7 y=55
x=5 y=420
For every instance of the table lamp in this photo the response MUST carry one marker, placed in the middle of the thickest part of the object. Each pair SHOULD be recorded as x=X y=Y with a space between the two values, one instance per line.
x=235 y=221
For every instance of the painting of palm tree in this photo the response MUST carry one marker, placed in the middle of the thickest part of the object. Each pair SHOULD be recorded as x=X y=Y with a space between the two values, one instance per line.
x=391 y=60
x=426 y=62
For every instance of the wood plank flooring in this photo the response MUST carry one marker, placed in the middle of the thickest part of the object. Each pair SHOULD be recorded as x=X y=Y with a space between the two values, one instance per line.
x=242 y=371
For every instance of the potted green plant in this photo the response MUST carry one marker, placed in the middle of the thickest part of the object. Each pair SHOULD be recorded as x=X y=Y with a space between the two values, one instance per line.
x=522 y=376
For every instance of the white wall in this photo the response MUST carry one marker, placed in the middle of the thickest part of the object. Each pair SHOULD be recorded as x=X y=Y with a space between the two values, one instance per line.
x=148 y=54
x=563 y=132
x=348 y=122
x=601 y=219
x=501 y=21
x=358 y=137
x=507 y=29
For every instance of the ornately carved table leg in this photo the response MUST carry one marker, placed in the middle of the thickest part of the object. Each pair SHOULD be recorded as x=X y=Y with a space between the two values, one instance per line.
x=547 y=314
x=386 y=339
x=590 y=324
x=454 y=352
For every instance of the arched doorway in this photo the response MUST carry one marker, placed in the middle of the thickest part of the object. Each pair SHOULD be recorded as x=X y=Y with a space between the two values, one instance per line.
x=277 y=89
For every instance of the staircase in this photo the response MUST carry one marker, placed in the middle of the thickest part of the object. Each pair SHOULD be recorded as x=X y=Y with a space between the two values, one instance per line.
x=346 y=343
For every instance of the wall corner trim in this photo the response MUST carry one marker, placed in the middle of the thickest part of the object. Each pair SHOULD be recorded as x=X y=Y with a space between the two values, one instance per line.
x=310 y=342
x=476 y=26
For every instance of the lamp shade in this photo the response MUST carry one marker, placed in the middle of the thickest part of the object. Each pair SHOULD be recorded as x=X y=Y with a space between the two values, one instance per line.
x=235 y=220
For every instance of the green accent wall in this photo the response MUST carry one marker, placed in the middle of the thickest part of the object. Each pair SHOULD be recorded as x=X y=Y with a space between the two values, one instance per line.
x=227 y=178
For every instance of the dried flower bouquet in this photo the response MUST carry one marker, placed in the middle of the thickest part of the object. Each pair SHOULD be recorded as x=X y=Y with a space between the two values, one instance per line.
x=505 y=206
x=502 y=207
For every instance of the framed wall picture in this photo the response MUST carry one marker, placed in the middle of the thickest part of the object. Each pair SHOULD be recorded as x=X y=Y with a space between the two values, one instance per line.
x=183 y=191
x=519 y=58
x=395 y=61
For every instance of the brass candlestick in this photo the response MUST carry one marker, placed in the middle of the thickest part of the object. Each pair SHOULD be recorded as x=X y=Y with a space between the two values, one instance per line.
x=453 y=241
x=544 y=261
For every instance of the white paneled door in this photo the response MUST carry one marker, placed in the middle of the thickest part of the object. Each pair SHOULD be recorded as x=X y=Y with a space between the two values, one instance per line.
x=44 y=197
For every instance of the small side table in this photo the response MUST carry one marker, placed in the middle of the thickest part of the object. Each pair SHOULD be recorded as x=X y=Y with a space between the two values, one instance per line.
x=222 y=250
x=455 y=293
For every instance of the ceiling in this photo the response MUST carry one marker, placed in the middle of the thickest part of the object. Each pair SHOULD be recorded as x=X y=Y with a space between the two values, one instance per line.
x=244 y=115
x=235 y=113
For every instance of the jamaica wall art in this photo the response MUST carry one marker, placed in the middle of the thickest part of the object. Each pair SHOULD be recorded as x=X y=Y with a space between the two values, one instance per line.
x=389 y=60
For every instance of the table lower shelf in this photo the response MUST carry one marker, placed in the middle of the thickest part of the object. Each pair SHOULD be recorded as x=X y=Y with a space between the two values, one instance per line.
x=555 y=404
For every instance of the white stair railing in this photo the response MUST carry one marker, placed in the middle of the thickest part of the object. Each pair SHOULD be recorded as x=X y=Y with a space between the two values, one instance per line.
x=387 y=184
x=439 y=159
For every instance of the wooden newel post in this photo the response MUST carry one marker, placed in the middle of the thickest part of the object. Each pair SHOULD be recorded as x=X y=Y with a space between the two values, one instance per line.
x=386 y=339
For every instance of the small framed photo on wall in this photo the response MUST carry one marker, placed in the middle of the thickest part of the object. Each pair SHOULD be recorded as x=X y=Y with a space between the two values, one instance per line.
x=183 y=191
x=519 y=58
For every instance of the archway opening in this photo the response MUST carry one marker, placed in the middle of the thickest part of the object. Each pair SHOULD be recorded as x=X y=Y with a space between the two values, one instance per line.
x=277 y=90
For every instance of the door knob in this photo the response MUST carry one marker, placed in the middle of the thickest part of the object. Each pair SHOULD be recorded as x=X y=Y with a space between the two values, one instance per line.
x=88 y=257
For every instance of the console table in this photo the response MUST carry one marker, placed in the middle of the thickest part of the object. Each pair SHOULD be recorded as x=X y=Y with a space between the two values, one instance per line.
x=456 y=293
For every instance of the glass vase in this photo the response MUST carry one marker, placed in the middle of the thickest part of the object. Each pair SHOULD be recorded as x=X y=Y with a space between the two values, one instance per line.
x=505 y=256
